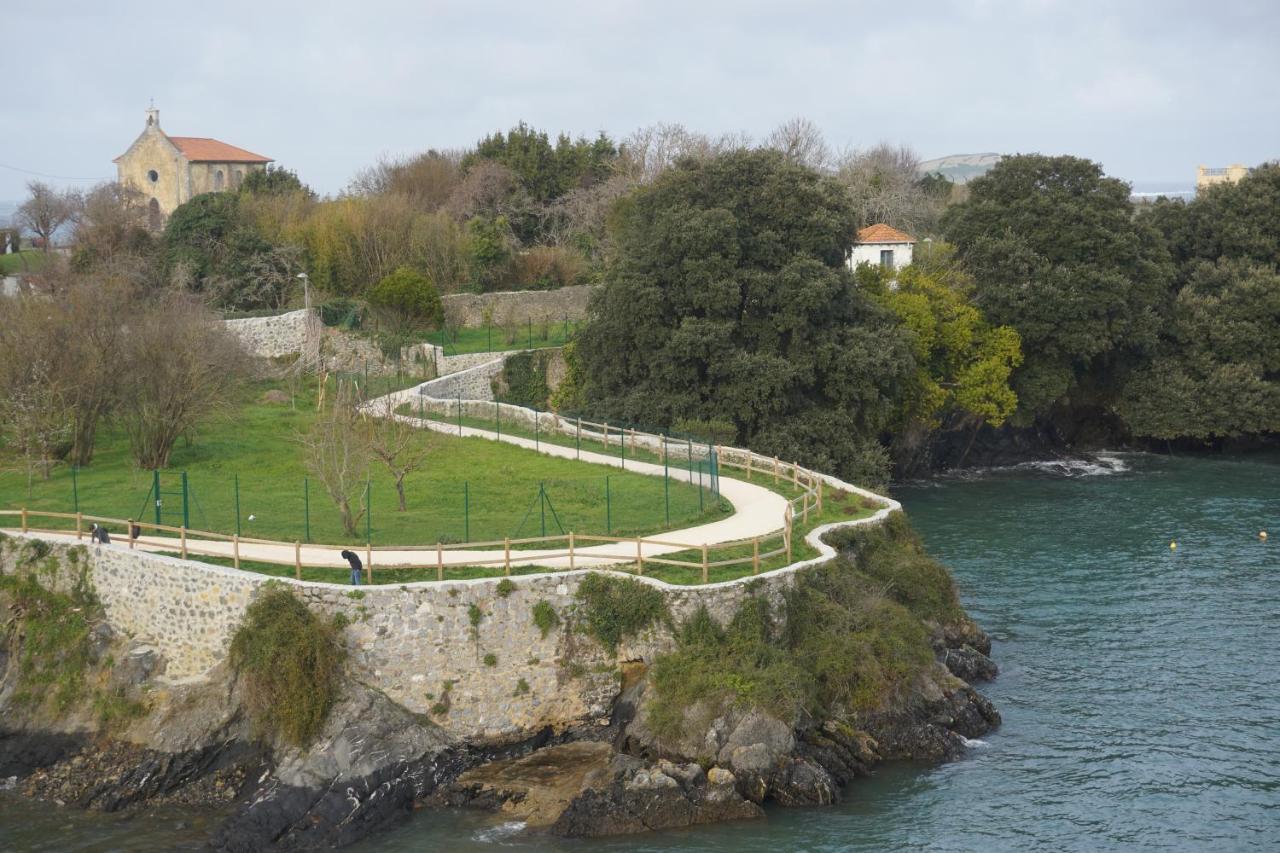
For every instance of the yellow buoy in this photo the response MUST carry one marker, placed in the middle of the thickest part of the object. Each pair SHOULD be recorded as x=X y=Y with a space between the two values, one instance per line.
x=1263 y=535
x=1173 y=546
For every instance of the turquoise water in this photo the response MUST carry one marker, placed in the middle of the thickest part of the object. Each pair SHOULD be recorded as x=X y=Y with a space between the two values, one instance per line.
x=1138 y=686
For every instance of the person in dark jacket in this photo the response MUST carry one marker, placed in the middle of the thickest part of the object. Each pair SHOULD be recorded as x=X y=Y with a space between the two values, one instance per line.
x=356 y=566
x=98 y=535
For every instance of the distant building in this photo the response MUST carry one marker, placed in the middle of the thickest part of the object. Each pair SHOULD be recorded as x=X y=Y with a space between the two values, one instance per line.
x=1206 y=177
x=170 y=170
x=882 y=245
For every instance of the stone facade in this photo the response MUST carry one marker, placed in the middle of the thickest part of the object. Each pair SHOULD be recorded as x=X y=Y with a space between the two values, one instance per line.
x=517 y=306
x=169 y=171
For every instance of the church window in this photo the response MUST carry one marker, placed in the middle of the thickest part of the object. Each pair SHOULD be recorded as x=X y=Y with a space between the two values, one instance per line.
x=153 y=176
x=217 y=180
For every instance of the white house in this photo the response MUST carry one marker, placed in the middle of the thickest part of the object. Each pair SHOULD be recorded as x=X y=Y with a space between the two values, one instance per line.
x=882 y=245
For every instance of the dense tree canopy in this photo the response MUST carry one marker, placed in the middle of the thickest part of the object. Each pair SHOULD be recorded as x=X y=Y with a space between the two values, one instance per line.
x=1056 y=254
x=730 y=298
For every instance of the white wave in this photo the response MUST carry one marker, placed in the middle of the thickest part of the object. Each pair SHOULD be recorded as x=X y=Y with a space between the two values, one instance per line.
x=1098 y=465
x=499 y=832
x=973 y=743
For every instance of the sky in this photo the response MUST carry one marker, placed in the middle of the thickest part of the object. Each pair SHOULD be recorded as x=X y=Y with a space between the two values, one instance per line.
x=1149 y=89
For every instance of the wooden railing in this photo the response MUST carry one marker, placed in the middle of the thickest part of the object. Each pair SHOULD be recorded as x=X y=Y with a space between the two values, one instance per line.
x=187 y=542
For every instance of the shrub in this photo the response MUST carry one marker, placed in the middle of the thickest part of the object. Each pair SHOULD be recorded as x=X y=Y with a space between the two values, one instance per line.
x=549 y=267
x=522 y=687
x=545 y=617
x=715 y=431
x=844 y=647
x=505 y=587
x=291 y=661
x=54 y=628
x=892 y=554
x=474 y=615
x=490 y=659
x=615 y=608
x=408 y=299
x=342 y=313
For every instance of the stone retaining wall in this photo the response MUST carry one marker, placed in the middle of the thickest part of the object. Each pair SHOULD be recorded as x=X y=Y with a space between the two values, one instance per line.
x=517 y=306
x=406 y=641
x=272 y=337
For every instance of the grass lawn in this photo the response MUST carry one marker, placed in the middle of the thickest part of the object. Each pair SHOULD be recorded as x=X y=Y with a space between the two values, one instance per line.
x=471 y=489
x=495 y=338
x=837 y=506
x=28 y=260
x=679 y=456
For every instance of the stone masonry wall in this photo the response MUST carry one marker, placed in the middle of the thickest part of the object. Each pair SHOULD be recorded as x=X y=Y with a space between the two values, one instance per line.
x=408 y=641
x=272 y=337
x=517 y=306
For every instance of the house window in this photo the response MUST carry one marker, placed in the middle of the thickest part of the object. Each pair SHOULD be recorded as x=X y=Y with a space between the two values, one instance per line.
x=886 y=258
x=217 y=181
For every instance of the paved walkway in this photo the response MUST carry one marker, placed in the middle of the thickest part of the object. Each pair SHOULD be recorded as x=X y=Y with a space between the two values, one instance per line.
x=757 y=512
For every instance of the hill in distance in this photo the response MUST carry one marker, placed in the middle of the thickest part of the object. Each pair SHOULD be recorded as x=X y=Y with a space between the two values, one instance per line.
x=960 y=168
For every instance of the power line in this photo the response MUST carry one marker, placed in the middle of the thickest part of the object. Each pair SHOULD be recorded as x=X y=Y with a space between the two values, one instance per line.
x=46 y=175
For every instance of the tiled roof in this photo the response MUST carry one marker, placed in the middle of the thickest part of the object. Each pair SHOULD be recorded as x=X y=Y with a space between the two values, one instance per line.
x=881 y=233
x=200 y=150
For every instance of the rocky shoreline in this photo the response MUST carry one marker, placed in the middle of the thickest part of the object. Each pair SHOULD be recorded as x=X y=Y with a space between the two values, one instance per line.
x=89 y=720
x=372 y=767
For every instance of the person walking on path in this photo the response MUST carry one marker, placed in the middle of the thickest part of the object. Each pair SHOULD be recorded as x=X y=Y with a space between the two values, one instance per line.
x=98 y=535
x=356 y=566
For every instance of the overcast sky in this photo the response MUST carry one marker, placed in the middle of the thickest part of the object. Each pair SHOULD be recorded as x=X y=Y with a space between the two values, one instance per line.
x=1150 y=89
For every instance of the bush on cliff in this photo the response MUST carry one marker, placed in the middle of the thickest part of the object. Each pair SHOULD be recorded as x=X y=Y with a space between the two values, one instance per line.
x=843 y=648
x=892 y=555
x=290 y=660
x=54 y=639
x=616 y=608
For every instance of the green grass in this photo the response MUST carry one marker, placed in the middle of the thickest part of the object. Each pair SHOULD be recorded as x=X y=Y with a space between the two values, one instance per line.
x=471 y=489
x=28 y=260
x=837 y=506
x=622 y=450
x=458 y=341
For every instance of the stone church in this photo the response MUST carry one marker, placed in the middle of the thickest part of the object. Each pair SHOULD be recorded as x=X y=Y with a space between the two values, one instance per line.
x=170 y=170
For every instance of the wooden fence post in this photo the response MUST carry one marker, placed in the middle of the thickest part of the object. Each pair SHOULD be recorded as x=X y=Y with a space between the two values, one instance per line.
x=775 y=470
x=297 y=559
x=439 y=562
x=368 y=561
x=804 y=509
x=606 y=436
x=571 y=561
x=795 y=475
x=639 y=558
x=79 y=525
x=183 y=532
x=24 y=519
x=506 y=555
x=819 y=496
x=787 y=531
x=235 y=550
x=704 y=563
x=755 y=556
x=748 y=466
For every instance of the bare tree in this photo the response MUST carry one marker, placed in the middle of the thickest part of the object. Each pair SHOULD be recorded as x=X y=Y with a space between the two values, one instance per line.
x=180 y=365
x=33 y=412
x=400 y=447
x=426 y=179
x=885 y=186
x=47 y=210
x=650 y=151
x=489 y=189
x=802 y=143
x=337 y=454
x=112 y=220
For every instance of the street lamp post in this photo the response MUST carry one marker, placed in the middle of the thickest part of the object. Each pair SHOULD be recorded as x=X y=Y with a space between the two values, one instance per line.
x=306 y=304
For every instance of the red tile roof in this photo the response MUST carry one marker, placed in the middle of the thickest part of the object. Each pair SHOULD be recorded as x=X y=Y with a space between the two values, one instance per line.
x=881 y=233
x=200 y=150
